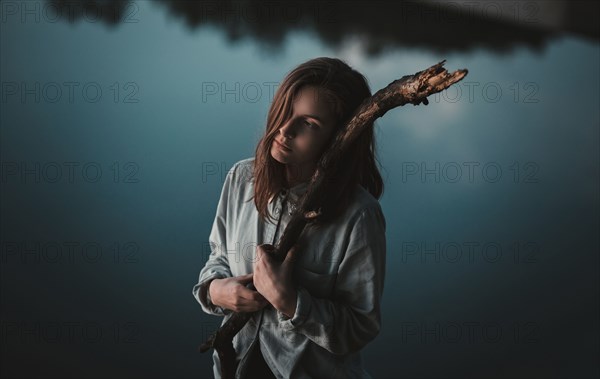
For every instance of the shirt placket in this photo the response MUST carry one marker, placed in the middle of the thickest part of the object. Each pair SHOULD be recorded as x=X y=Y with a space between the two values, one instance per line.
x=274 y=230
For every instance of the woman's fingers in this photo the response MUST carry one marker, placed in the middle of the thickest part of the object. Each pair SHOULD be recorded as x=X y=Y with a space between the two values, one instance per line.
x=244 y=299
x=245 y=279
x=233 y=294
x=248 y=294
x=240 y=298
x=251 y=303
x=263 y=251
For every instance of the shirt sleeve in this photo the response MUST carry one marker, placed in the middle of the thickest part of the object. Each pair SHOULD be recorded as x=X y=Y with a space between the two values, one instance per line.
x=217 y=265
x=352 y=318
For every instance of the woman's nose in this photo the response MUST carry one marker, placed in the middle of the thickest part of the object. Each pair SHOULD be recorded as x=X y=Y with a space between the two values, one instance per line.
x=287 y=130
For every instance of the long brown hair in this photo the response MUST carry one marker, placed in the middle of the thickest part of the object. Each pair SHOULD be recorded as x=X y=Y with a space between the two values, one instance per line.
x=345 y=89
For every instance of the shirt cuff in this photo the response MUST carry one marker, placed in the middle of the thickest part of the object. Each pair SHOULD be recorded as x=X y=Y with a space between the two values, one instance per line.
x=303 y=305
x=204 y=297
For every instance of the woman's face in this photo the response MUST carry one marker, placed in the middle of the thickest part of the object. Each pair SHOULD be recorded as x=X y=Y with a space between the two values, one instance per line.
x=305 y=133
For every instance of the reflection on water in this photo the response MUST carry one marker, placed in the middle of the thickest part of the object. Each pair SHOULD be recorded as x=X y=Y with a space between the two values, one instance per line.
x=384 y=25
x=119 y=136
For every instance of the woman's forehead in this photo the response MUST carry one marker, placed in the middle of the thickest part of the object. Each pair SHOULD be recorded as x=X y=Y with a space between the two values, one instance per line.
x=312 y=100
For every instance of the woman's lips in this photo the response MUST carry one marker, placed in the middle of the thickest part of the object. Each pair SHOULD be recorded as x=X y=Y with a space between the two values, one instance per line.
x=282 y=147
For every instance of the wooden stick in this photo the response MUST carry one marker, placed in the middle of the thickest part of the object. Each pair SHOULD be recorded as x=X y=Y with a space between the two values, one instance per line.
x=413 y=89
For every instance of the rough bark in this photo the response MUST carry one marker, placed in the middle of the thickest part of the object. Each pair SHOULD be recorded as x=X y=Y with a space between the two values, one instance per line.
x=410 y=89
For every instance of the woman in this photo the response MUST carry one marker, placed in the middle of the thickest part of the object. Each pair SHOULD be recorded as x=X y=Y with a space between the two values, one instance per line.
x=315 y=311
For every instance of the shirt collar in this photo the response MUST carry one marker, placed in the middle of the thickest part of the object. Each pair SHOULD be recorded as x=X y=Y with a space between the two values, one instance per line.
x=297 y=190
x=300 y=188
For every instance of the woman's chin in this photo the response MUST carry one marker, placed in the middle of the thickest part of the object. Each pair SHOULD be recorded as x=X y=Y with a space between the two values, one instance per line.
x=279 y=156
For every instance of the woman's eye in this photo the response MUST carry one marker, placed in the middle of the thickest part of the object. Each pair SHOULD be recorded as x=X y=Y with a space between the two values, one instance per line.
x=310 y=125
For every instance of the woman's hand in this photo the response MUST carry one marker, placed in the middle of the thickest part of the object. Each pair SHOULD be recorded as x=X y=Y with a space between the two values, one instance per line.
x=273 y=280
x=232 y=293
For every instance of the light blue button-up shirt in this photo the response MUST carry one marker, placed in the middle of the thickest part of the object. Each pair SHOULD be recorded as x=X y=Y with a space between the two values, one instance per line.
x=339 y=275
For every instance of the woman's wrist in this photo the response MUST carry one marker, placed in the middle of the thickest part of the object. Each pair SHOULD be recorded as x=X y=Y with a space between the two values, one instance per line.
x=211 y=295
x=287 y=303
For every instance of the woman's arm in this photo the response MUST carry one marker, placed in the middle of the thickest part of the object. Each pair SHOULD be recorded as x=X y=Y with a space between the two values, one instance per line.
x=352 y=318
x=217 y=265
x=217 y=291
x=347 y=323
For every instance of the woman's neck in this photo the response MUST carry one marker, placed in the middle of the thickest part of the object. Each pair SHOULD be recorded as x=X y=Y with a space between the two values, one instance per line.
x=298 y=174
